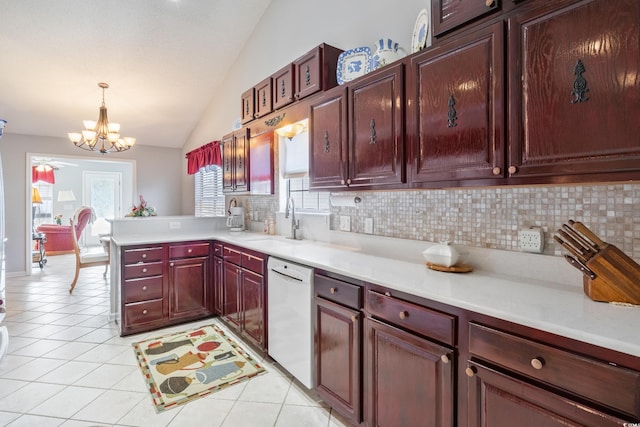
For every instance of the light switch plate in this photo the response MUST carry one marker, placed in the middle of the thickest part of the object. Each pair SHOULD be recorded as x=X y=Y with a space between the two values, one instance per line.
x=345 y=223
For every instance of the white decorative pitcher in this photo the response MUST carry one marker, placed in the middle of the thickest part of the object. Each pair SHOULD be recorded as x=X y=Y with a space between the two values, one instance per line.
x=387 y=51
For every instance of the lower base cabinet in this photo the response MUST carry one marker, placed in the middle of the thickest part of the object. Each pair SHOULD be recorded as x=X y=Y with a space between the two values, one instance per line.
x=409 y=380
x=499 y=400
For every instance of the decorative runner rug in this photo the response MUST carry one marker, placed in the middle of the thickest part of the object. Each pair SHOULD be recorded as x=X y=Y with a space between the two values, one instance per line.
x=188 y=365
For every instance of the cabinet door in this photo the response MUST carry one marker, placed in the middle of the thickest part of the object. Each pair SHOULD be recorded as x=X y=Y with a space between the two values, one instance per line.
x=248 y=105
x=338 y=357
x=308 y=78
x=283 y=87
x=327 y=141
x=263 y=98
x=228 y=163
x=457 y=124
x=188 y=287
x=231 y=295
x=409 y=379
x=218 y=286
x=574 y=77
x=376 y=129
x=498 y=400
x=253 y=307
x=241 y=146
x=448 y=14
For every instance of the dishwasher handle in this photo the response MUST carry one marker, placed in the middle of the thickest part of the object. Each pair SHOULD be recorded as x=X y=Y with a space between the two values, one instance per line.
x=286 y=275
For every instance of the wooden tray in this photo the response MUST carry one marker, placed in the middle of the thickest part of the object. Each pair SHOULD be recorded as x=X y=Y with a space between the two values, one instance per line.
x=459 y=268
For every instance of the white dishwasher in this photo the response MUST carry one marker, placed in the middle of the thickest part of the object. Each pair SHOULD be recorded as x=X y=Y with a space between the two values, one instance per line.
x=290 y=307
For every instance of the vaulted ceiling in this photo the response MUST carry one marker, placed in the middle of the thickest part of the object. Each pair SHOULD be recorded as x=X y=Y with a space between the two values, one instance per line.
x=163 y=60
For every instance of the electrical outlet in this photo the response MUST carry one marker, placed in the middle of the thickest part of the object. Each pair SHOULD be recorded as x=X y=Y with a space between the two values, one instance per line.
x=531 y=240
x=368 y=225
x=345 y=223
x=174 y=225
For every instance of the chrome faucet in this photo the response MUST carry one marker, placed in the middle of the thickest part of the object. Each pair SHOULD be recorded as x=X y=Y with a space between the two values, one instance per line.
x=295 y=223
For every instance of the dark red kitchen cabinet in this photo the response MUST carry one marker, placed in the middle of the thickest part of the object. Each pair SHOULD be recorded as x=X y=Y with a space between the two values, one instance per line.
x=575 y=91
x=283 y=87
x=449 y=14
x=376 y=128
x=499 y=400
x=456 y=109
x=253 y=291
x=316 y=70
x=189 y=286
x=409 y=380
x=263 y=104
x=218 y=281
x=248 y=105
x=235 y=159
x=328 y=140
x=231 y=310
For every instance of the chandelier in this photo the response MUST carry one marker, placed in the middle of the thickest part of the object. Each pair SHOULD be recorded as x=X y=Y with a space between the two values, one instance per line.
x=101 y=136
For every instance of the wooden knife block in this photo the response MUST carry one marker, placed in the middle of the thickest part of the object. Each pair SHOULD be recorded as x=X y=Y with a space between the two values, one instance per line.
x=618 y=277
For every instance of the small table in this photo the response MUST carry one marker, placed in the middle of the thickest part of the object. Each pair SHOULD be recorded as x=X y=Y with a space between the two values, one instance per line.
x=39 y=255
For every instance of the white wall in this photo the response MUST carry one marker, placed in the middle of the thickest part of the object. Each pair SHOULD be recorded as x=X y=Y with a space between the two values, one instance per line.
x=158 y=172
x=289 y=29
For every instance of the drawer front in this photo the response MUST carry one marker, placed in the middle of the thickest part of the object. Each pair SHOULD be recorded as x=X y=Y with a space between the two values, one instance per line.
x=338 y=291
x=189 y=250
x=424 y=321
x=254 y=263
x=147 y=288
x=232 y=255
x=145 y=269
x=614 y=386
x=132 y=256
x=143 y=312
x=217 y=249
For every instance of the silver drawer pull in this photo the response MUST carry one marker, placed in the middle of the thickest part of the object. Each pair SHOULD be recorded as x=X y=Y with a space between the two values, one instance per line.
x=145 y=312
x=144 y=255
x=445 y=358
x=470 y=371
x=537 y=362
x=333 y=290
x=144 y=270
x=189 y=251
x=144 y=288
x=387 y=294
x=404 y=314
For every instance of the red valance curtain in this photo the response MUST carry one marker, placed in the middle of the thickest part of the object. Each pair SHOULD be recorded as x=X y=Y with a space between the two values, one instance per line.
x=42 y=173
x=207 y=155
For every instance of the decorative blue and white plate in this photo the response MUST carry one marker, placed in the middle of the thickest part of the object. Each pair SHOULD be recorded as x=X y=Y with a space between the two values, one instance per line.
x=420 y=31
x=353 y=63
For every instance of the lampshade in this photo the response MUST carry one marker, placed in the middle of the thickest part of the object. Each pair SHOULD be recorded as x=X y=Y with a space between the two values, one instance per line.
x=35 y=195
x=66 y=196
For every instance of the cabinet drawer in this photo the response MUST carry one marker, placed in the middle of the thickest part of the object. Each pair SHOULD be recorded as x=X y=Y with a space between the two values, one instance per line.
x=614 y=386
x=145 y=269
x=338 y=291
x=253 y=262
x=189 y=250
x=146 y=288
x=232 y=255
x=131 y=256
x=217 y=249
x=429 y=323
x=143 y=312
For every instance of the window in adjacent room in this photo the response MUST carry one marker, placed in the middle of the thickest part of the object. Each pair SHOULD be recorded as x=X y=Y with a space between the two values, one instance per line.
x=208 y=192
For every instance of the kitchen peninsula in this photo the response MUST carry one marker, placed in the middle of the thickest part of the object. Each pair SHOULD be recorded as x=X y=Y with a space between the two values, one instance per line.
x=511 y=302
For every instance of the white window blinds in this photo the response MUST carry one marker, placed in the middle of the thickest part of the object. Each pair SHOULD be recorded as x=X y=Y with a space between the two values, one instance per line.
x=208 y=192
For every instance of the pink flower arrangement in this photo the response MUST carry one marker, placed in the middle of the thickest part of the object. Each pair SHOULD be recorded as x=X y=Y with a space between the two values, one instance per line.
x=142 y=209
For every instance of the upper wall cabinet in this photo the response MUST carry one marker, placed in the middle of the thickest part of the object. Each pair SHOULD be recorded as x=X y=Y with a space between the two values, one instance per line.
x=248 y=105
x=235 y=159
x=575 y=84
x=457 y=124
x=365 y=147
x=283 y=87
x=263 y=98
x=316 y=70
x=448 y=14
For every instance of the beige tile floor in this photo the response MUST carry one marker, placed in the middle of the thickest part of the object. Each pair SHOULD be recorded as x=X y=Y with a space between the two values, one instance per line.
x=68 y=366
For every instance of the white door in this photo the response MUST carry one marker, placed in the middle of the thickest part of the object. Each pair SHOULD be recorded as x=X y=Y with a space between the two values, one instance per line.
x=103 y=192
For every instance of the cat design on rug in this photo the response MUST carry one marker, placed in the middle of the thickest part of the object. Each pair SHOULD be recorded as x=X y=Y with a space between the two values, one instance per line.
x=166 y=367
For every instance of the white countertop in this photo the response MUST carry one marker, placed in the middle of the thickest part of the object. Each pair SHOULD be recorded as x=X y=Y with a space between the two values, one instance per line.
x=560 y=309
